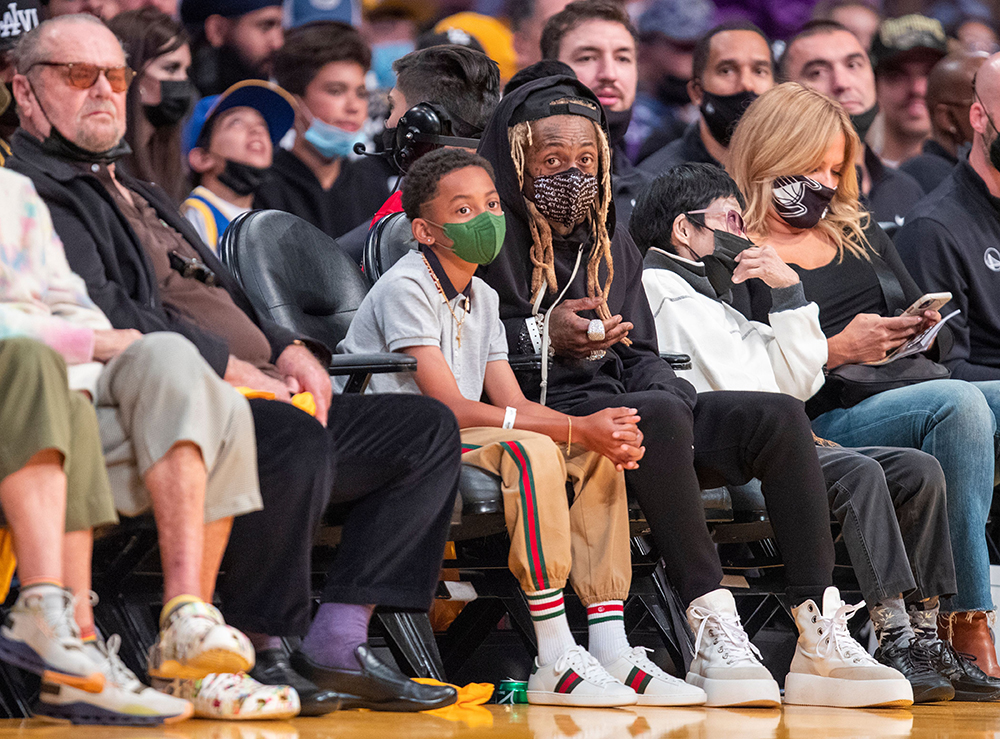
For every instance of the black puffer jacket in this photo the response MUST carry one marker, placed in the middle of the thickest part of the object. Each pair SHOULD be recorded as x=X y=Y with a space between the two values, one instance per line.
x=571 y=381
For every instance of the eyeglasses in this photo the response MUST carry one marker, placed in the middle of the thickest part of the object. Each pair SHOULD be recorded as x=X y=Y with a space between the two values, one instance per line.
x=734 y=220
x=83 y=76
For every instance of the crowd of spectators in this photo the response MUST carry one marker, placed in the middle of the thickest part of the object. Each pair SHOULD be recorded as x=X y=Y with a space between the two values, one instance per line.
x=803 y=197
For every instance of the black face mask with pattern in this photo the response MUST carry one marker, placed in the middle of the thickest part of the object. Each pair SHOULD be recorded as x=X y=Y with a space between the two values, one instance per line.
x=566 y=197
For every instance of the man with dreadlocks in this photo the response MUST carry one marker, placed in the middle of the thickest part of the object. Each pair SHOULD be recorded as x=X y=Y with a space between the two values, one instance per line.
x=570 y=287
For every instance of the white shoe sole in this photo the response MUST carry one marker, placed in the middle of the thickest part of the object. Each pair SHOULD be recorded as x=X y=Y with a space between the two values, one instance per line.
x=748 y=693
x=670 y=700
x=815 y=690
x=545 y=698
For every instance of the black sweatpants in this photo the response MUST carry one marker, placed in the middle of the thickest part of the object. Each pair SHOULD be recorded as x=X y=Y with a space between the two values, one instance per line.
x=729 y=438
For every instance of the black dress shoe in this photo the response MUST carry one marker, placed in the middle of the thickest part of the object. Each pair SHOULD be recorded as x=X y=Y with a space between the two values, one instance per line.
x=375 y=685
x=970 y=683
x=927 y=684
x=273 y=668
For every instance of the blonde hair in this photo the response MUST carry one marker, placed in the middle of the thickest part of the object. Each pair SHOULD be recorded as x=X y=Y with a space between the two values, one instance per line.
x=542 y=257
x=787 y=131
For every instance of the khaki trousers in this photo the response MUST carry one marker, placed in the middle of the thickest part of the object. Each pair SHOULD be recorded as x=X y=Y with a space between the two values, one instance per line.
x=551 y=537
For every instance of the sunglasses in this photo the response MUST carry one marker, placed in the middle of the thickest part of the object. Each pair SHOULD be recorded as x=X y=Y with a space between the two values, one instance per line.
x=83 y=76
x=734 y=220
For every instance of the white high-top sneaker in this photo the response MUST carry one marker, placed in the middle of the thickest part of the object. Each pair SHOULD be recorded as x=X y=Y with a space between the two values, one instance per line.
x=831 y=669
x=726 y=665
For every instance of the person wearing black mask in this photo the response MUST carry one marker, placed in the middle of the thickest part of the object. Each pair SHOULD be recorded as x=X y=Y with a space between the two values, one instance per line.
x=231 y=142
x=597 y=40
x=827 y=57
x=159 y=97
x=732 y=65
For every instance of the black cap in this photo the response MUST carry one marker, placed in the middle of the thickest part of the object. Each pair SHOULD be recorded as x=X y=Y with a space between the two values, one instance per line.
x=17 y=18
x=898 y=37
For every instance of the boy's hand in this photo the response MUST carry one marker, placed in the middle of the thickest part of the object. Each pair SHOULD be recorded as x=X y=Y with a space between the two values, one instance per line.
x=614 y=433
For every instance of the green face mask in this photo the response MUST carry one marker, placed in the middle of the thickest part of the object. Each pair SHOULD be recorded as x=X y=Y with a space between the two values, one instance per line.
x=477 y=241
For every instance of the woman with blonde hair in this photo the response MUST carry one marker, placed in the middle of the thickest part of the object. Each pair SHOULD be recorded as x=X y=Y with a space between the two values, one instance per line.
x=793 y=158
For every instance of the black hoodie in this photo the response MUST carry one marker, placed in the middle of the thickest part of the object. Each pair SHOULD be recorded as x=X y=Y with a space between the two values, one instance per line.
x=571 y=381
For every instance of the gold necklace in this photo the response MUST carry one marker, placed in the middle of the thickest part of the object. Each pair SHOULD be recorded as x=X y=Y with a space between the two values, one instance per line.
x=468 y=301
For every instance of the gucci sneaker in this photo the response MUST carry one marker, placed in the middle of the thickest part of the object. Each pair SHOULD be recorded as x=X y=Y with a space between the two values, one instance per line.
x=40 y=635
x=576 y=679
x=831 y=669
x=195 y=641
x=653 y=686
x=726 y=664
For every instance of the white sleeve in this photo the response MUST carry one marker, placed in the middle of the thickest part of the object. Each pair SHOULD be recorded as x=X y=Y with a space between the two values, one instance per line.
x=797 y=349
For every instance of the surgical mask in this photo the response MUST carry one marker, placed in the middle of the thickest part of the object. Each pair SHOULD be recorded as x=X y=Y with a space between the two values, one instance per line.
x=862 y=122
x=721 y=263
x=383 y=55
x=565 y=197
x=332 y=142
x=175 y=101
x=723 y=112
x=477 y=241
x=242 y=178
x=800 y=201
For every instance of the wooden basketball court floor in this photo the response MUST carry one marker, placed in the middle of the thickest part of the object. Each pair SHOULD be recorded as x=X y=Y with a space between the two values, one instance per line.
x=951 y=720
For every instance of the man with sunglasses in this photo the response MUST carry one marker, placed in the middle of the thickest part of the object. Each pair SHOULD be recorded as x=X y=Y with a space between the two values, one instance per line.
x=890 y=502
x=397 y=459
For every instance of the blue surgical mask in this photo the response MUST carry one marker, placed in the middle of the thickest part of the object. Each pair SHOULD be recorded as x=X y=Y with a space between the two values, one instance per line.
x=331 y=141
x=383 y=55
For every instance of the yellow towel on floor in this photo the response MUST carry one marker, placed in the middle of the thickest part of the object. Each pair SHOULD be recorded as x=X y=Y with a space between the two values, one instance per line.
x=302 y=401
x=469 y=707
x=8 y=562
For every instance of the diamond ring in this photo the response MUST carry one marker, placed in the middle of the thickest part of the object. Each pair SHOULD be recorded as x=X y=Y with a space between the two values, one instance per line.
x=595 y=331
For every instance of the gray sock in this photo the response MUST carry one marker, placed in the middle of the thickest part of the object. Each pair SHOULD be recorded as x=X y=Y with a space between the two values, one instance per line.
x=892 y=625
x=923 y=617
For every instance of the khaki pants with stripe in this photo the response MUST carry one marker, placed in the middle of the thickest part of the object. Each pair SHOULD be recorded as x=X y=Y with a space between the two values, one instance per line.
x=552 y=539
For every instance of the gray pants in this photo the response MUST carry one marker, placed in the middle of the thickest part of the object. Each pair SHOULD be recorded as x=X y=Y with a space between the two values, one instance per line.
x=892 y=509
x=159 y=392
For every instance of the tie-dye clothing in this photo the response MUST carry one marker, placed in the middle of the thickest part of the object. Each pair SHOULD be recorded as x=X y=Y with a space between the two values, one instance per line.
x=40 y=297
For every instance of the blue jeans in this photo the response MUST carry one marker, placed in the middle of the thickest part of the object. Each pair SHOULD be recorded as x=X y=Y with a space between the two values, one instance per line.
x=953 y=421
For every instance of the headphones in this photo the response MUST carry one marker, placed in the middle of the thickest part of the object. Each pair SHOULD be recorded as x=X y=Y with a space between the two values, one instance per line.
x=420 y=130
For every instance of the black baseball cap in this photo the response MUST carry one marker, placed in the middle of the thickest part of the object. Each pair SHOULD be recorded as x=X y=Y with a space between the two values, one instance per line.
x=17 y=17
x=898 y=38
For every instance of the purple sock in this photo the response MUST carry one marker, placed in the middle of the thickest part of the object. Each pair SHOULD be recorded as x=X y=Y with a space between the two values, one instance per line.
x=337 y=630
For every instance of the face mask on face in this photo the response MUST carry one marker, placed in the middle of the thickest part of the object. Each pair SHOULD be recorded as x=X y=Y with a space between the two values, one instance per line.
x=723 y=112
x=175 y=101
x=994 y=150
x=383 y=55
x=800 y=201
x=862 y=122
x=565 y=197
x=332 y=142
x=477 y=241
x=241 y=178
x=721 y=263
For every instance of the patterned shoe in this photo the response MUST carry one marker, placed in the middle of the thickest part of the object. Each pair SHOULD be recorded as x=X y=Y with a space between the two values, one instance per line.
x=235 y=697
x=653 y=686
x=576 y=679
x=39 y=635
x=195 y=642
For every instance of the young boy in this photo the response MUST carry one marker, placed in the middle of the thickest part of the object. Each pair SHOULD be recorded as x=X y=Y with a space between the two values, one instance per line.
x=231 y=150
x=431 y=306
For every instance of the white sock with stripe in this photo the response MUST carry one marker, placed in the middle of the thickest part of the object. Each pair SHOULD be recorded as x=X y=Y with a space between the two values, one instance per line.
x=606 y=631
x=548 y=615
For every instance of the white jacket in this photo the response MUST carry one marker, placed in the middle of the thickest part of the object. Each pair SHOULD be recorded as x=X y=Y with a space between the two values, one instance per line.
x=730 y=352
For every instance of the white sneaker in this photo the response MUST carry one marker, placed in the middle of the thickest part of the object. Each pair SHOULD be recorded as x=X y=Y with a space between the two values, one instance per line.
x=196 y=642
x=124 y=701
x=831 y=669
x=726 y=665
x=653 y=686
x=236 y=697
x=576 y=679
x=40 y=635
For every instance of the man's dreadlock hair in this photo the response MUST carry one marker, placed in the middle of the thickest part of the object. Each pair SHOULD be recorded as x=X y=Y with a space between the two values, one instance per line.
x=542 y=256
